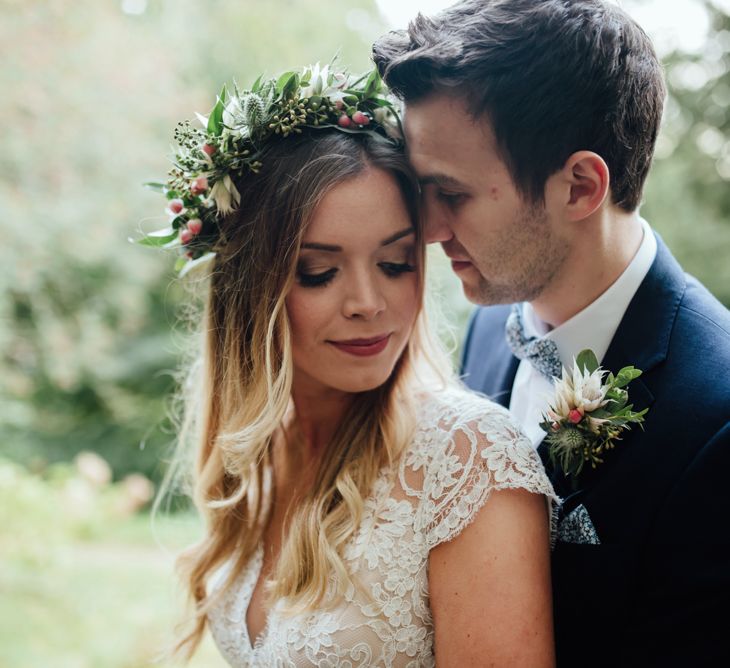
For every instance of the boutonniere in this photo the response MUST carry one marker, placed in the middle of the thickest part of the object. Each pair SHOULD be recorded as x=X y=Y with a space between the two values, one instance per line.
x=588 y=414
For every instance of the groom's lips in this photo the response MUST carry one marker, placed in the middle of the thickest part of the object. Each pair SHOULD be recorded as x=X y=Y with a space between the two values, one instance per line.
x=458 y=264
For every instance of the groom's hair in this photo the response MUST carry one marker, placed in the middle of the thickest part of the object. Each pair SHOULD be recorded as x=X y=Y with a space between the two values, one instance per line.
x=551 y=76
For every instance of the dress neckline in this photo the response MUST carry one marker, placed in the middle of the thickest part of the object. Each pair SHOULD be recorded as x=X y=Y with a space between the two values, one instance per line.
x=251 y=579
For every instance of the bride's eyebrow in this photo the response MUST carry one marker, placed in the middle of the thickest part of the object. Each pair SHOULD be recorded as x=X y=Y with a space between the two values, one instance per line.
x=331 y=248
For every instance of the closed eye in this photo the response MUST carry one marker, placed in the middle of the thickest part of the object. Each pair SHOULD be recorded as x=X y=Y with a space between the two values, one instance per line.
x=394 y=269
x=316 y=280
x=449 y=198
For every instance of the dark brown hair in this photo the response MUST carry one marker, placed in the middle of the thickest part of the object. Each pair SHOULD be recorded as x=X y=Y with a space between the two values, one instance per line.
x=552 y=77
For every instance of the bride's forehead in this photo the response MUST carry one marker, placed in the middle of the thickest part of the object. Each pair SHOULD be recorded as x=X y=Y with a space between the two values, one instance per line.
x=367 y=207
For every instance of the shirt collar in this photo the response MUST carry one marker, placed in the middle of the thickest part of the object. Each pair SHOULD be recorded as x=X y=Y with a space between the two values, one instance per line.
x=595 y=326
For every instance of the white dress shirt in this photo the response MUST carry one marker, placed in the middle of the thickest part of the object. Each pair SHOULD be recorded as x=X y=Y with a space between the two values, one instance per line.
x=593 y=327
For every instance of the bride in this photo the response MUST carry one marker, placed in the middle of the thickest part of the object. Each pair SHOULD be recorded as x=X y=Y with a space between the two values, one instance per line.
x=361 y=508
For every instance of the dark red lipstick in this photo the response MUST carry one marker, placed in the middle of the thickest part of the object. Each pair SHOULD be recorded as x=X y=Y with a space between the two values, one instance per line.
x=363 y=347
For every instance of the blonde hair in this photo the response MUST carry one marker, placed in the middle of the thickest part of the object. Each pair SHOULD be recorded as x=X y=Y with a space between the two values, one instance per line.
x=237 y=393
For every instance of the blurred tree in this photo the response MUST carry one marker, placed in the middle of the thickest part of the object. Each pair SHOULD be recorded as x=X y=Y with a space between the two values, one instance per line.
x=92 y=92
x=687 y=197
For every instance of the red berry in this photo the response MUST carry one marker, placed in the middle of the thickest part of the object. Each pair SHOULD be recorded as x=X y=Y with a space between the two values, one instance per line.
x=208 y=149
x=574 y=416
x=360 y=118
x=176 y=206
x=186 y=236
x=199 y=185
x=195 y=225
x=344 y=121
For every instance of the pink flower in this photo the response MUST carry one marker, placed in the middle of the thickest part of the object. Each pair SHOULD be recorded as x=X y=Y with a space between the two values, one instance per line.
x=575 y=416
x=199 y=185
x=344 y=121
x=195 y=225
x=176 y=206
x=360 y=118
x=208 y=149
x=186 y=236
x=339 y=104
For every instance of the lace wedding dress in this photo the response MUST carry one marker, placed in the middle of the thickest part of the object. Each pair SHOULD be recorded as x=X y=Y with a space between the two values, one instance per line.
x=464 y=448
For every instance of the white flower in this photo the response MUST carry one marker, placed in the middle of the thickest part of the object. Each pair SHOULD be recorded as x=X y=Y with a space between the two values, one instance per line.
x=226 y=195
x=564 y=401
x=319 y=83
x=588 y=389
x=578 y=390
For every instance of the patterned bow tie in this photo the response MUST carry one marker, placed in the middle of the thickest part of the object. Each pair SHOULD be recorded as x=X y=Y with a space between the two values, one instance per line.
x=541 y=353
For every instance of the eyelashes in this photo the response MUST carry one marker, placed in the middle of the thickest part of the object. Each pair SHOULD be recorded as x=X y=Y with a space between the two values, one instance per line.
x=390 y=269
x=315 y=280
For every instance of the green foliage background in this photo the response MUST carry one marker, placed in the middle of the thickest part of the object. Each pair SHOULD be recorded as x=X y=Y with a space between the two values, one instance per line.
x=90 y=97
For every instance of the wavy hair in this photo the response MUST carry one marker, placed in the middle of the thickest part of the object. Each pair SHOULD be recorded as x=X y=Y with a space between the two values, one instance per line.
x=238 y=390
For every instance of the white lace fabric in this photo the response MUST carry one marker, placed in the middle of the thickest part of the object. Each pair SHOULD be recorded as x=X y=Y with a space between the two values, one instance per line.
x=464 y=448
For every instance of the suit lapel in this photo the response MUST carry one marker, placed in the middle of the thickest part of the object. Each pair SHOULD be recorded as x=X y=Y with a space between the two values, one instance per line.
x=642 y=341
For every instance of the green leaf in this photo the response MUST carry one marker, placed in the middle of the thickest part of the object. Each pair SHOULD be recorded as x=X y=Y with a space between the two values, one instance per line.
x=373 y=84
x=283 y=81
x=587 y=360
x=156 y=187
x=215 y=120
x=626 y=375
x=257 y=84
x=158 y=239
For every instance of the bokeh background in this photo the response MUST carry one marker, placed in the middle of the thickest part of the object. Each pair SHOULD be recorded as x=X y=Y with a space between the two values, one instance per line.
x=89 y=93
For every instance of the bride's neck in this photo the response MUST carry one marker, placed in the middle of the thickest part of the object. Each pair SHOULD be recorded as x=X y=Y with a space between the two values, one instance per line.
x=312 y=420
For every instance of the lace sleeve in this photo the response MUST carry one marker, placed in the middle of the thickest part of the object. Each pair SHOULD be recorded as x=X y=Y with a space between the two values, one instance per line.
x=463 y=459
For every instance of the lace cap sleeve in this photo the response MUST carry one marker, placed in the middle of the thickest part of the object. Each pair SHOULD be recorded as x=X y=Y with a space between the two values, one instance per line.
x=464 y=451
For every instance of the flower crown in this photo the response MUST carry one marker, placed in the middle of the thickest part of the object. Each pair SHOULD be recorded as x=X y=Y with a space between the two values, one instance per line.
x=201 y=184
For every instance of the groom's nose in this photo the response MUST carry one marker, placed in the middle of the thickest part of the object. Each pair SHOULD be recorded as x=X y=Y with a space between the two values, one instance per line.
x=435 y=228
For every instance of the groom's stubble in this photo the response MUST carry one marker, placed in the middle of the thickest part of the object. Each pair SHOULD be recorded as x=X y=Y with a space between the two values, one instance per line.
x=518 y=261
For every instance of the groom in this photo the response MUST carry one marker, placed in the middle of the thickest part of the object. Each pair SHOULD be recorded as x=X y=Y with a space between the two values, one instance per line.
x=531 y=124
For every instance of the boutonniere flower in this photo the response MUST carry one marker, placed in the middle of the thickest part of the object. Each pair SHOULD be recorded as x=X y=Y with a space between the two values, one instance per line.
x=588 y=414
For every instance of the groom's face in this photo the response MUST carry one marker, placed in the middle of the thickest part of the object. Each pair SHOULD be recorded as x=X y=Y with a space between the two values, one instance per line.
x=503 y=247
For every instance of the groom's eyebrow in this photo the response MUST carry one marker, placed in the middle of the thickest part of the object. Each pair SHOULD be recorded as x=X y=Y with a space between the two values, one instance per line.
x=441 y=180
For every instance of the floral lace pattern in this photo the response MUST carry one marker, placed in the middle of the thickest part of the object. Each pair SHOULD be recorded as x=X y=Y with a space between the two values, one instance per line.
x=464 y=448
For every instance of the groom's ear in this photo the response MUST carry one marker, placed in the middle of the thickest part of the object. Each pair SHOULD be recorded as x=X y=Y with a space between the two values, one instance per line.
x=586 y=177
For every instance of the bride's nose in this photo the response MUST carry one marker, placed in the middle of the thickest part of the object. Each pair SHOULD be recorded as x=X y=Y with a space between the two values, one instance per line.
x=363 y=297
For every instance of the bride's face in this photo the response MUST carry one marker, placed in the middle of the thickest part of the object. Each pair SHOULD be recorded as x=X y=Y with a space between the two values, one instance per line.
x=356 y=294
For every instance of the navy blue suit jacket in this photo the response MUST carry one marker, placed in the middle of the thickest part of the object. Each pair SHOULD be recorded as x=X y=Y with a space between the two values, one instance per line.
x=656 y=590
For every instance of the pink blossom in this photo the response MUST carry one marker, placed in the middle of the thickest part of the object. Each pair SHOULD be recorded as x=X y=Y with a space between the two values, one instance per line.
x=199 y=185
x=186 y=236
x=575 y=416
x=176 y=206
x=208 y=149
x=360 y=118
x=195 y=225
x=344 y=121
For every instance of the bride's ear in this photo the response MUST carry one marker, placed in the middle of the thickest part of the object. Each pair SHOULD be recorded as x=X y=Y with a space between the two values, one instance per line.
x=586 y=182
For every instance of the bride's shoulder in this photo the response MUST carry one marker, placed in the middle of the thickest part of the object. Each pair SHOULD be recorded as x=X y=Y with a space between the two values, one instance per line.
x=455 y=408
